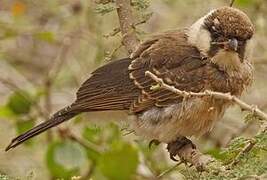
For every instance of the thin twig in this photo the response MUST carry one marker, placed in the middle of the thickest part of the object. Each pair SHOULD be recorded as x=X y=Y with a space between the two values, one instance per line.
x=169 y=170
x=90 y=172
x=232 y=3
x=248 y=147
x=66 y=133
x=128 y=133
x=245 y=150
x=111 y=55
x=116 y=30
x=129 y=37
x=50 y=78
x=218 y=95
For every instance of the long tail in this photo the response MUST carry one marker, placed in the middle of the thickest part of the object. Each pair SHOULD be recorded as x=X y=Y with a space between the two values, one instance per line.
x=58 y=118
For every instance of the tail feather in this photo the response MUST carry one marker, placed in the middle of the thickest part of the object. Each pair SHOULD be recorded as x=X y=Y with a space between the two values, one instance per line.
x=58 y=118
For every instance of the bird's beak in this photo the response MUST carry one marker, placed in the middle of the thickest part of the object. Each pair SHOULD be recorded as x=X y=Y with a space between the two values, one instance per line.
x=231 y=45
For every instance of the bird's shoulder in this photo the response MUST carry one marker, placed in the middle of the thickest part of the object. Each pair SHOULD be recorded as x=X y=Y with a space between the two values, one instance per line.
x=178 y=63
x=170 y=43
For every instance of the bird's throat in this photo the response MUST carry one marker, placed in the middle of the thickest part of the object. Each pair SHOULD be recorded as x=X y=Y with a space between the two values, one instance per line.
x=227 y=60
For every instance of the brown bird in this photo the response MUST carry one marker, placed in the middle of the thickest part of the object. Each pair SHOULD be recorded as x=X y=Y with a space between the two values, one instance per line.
x=212 y=54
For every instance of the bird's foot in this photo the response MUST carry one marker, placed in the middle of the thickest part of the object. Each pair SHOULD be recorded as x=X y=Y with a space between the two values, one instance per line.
x=176 y=146
x=188 y=153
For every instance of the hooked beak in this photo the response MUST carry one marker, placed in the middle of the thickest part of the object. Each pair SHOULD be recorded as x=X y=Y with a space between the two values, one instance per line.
x=231 y=45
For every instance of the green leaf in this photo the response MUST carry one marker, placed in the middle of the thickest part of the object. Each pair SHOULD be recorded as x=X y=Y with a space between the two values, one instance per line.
x=65 y=159
x=92 y=154
x=92 y=133
x=113 y=133
x=45 y=36
x=20 y=102
x=120 y=162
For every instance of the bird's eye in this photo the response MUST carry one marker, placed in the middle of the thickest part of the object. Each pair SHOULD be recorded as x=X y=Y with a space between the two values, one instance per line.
x=216 y=34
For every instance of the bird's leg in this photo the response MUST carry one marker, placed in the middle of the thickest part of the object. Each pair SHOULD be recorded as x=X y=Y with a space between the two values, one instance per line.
x=175 y=147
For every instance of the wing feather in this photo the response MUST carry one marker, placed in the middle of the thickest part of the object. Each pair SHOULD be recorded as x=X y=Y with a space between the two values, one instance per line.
x=109 y=88
x=171 y=58
x=123 y=85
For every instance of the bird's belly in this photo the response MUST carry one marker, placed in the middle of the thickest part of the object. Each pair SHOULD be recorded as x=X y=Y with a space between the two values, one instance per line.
x=191 y=118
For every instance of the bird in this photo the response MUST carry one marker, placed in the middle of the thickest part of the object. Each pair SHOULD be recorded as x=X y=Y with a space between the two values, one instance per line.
x=214 y=53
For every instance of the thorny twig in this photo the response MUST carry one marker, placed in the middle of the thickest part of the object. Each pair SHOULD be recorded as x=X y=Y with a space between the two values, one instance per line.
x=50 y=78
x=117 y=29
x=169 y=170
x=66 y=133
x=110 y=55
x=248 y=147
x=218 y=95
x=232 y=3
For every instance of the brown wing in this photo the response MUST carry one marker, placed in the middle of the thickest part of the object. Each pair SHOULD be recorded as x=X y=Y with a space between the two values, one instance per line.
x=171 y=58
x=109 y=88
x=122 y=84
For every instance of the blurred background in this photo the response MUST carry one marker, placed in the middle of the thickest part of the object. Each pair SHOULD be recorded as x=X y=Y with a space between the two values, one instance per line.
x=48 y=48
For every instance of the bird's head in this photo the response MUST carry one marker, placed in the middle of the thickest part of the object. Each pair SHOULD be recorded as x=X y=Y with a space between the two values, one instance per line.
x=224 y=35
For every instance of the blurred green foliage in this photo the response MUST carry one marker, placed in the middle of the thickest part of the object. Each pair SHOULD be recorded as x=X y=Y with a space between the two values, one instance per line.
x=244 y=2
x=19 y=102
x=40 y=38
x=4 y=177
x=120 y=162
x=140 y=4
x=65 y=159
x=105 y=8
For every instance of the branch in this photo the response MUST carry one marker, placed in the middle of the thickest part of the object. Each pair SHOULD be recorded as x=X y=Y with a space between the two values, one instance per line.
x=193 y=156
x=129 y=39
x=116 y=30
x=66 y=133
x=232 y=3
x=248 y=147
x=160 y=176
x=52 y=74
x=217 y=95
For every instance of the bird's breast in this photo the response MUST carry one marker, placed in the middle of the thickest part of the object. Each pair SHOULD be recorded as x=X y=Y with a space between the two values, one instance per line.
x=193 y=117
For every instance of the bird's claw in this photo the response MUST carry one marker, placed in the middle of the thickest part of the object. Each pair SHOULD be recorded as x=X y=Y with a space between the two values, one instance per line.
x=153 y=142
x=173 y=158
x=176 y=146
